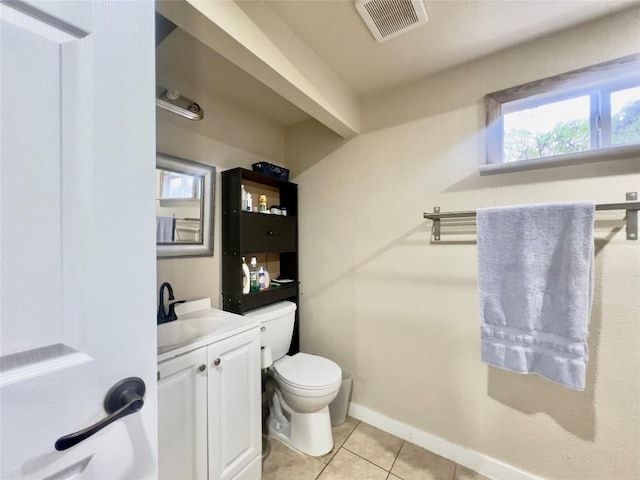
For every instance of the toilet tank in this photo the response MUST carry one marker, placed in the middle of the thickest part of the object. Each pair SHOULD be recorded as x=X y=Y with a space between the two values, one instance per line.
x=276 y=326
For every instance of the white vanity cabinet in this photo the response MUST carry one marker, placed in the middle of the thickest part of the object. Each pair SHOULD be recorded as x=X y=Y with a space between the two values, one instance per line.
x=182 y=417
x=209 y=411
x=235 y=439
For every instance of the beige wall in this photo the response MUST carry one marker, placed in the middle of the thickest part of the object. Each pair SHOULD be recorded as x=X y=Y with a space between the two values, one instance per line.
x=400 y=312
x=228 y=137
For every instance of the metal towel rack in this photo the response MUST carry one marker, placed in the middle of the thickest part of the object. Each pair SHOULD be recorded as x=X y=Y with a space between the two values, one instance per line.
x=632 y=205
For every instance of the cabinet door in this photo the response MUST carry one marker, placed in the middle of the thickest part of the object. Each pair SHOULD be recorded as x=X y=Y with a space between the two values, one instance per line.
x=267 y=233
x=234 y=404
x=182 y=417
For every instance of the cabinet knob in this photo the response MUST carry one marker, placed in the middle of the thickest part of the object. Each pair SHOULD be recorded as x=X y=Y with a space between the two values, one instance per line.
x=272 y=233
x=202 y=368
x=216 y=362
x=263 y=329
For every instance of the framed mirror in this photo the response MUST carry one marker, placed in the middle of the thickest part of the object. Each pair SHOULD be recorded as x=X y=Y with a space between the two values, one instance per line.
x=185 y=193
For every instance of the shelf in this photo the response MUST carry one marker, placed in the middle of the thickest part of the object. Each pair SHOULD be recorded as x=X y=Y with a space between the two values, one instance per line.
x=271 y=295
x=272 y=289
x=254 y=233
x=264 y=179
x=258 y=214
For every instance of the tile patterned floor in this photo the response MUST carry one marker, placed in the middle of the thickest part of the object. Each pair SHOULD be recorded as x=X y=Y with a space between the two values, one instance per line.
x=363 y=452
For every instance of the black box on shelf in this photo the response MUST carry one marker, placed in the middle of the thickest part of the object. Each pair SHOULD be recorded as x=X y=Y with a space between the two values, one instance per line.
x=271 y=170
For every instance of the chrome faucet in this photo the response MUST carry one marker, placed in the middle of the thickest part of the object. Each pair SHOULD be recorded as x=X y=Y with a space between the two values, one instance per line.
x=163 y=316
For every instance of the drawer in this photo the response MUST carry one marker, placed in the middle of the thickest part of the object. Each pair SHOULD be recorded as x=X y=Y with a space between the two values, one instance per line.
x=267 y=233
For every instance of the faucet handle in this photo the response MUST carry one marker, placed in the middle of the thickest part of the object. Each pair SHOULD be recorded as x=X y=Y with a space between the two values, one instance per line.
x=172 y=310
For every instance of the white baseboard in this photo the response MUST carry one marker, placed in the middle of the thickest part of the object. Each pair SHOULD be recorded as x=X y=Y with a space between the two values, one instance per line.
x=487 y=466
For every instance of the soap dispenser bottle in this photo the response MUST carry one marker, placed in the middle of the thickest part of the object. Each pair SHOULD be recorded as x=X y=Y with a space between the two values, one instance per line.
x=246 y=279
x=261 y=279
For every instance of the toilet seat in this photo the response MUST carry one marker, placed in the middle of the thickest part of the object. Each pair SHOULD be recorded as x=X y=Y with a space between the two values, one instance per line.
x=308 y=375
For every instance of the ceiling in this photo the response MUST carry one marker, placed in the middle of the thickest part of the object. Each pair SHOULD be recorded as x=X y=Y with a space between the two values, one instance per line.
x=457 y=32
x=182 y=57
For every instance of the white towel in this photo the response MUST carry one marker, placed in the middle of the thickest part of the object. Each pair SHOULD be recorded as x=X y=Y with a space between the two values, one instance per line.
x=165 y=228
x=535 y=279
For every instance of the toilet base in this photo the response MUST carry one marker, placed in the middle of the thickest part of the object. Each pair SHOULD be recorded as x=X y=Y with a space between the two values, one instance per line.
x=308 y=433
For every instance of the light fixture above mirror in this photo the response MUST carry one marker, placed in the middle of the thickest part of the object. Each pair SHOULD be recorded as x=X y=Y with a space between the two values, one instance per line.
x=172 y=101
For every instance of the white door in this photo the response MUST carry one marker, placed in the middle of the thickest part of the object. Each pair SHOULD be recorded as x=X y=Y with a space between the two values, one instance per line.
x=77 y=241
x=234 y=404
x=182 y=417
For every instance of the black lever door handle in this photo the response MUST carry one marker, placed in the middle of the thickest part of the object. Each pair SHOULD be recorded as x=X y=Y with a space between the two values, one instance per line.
x=124 y=398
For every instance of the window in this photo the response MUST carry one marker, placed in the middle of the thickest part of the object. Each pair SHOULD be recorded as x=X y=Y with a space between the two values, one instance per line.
x=584 y=115
x=625 y=116
x=179 y=186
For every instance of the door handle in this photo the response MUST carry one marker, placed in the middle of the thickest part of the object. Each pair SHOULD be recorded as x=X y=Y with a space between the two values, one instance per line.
x=124 y=398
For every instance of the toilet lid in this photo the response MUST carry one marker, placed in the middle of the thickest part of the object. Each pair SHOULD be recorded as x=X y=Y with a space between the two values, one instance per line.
x=308 y=371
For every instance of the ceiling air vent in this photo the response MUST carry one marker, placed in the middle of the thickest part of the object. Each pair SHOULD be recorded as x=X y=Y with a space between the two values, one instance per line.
x=389 y=18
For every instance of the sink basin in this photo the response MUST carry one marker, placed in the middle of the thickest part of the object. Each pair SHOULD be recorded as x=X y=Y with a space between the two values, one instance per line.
x=181 y=331
x=196 y=320
x=173 y=333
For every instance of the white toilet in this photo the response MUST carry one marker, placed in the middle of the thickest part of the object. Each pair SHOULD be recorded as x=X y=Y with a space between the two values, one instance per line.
x=304 y=385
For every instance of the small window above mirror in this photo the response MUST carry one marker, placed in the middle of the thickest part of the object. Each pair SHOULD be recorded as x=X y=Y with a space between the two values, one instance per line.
x=184 y=207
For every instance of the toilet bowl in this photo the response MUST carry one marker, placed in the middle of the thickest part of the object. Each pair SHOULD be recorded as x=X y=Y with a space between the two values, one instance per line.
x=305 y=385
x=301 y=386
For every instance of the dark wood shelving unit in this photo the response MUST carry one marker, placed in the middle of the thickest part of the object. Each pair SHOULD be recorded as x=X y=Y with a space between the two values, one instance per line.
x=246 y=233
x=271 y=295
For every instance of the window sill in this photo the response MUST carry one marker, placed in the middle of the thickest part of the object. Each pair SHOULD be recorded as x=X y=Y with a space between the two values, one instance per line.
x=602 y=154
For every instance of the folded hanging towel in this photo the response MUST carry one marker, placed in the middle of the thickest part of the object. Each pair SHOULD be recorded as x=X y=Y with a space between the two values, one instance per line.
x=535 y=280
x=165 y=229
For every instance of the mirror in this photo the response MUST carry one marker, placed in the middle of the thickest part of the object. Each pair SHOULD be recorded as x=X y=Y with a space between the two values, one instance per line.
x=184 y=207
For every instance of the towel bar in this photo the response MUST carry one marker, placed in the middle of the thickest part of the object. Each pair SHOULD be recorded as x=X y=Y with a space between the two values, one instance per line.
x=632 y=205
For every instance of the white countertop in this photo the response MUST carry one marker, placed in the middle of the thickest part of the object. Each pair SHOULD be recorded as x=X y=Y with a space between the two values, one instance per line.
x=197 y=313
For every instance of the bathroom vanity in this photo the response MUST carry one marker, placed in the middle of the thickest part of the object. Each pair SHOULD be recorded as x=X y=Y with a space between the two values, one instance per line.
x=209 y=395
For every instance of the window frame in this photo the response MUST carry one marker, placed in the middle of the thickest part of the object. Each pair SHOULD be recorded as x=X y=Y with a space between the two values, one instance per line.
x=165 y=190
x=597 y=81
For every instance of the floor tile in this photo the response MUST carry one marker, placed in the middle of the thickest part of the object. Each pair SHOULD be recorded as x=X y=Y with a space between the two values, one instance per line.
x=347 y=466
x=393 y=477
x=415 y=463
x=340 y=434
x=463 y=473
x=286 y=464
x=374 y=445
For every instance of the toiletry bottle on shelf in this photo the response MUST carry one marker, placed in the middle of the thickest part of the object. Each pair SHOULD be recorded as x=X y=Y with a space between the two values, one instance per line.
x=253 y=275
x=261 y=279
x=262 y=204
x=249 y=204
x=246 y=278
x=243 y=200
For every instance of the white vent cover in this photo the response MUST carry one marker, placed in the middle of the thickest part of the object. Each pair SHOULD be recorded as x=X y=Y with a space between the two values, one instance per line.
x=389 y=18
